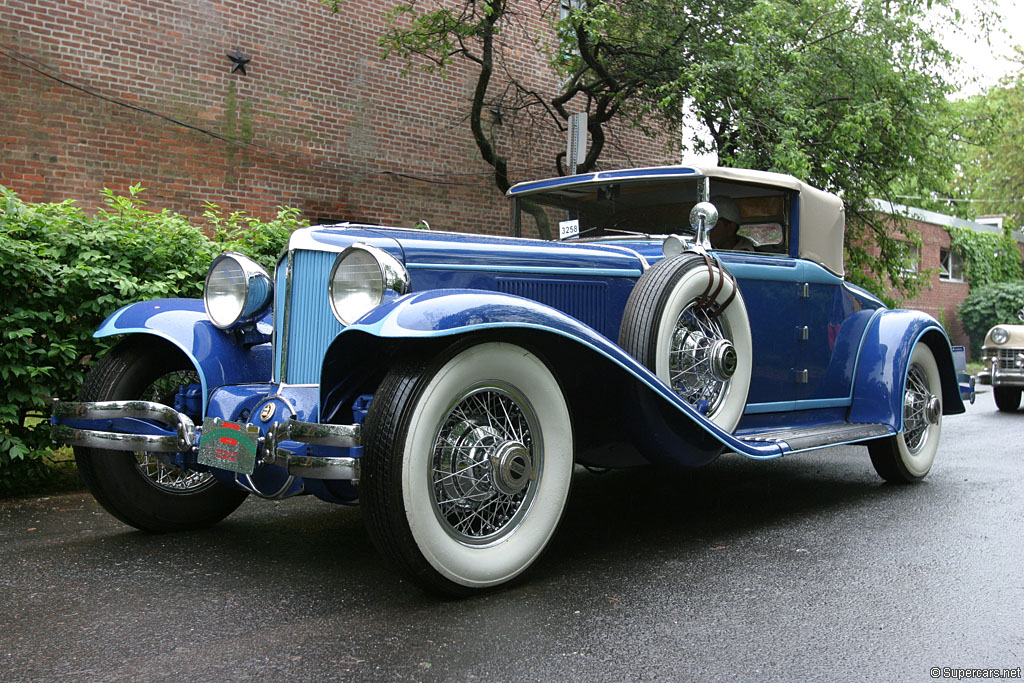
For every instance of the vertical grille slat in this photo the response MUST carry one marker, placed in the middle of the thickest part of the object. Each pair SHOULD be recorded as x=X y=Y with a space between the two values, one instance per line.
x=1008 y=359
x=311 y=324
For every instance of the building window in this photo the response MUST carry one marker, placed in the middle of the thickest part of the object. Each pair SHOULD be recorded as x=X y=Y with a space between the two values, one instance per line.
x=913 y=263
x=566 y=6
x=951 y=266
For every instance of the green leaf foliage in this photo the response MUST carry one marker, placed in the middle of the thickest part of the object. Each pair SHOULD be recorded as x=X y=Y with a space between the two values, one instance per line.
x=992 y=170
x=988 y=258
x=987 y=306
x=847 y=95
x=66 y=271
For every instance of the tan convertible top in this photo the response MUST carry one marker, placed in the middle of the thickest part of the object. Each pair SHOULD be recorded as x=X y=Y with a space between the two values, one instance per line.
x=822 y=218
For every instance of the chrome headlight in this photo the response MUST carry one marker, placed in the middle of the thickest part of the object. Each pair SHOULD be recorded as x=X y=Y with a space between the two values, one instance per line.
x=362 y=278
x=1000 y=335
x=238 y=290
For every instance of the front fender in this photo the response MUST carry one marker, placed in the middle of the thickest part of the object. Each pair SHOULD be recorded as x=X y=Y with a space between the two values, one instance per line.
x=216 y=354
x=882 y=367
x=447 y=313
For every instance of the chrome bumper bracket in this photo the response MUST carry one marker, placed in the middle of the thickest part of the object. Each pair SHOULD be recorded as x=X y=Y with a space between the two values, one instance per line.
x=184 y=440
x=314 y=434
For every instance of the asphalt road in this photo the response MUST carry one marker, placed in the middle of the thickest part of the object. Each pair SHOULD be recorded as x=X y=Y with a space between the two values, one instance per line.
x=804 y=568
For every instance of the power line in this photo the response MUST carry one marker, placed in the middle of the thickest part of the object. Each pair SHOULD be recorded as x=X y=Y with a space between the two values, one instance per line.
x=955 y=199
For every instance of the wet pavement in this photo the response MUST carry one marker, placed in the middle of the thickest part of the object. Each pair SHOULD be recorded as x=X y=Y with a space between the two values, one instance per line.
x=804 y=568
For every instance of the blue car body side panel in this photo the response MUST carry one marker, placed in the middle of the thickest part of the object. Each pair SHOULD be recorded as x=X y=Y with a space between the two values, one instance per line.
x=218 y=358
x=449 y=312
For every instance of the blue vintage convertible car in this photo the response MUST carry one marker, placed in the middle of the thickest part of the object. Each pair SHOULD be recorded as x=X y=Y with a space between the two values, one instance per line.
x=449 y=382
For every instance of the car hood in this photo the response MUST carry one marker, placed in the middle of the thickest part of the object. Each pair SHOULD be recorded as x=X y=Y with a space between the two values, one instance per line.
x=1016 y=339
x=443 y=250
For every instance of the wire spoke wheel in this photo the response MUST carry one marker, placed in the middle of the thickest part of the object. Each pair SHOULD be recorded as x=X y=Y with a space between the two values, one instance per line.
x=484 y=463
x=157 y=469
x=700 y=365
x=908 y=456
x=915 y=407
x=149 y=490
x=686 y=321
x=467 y=465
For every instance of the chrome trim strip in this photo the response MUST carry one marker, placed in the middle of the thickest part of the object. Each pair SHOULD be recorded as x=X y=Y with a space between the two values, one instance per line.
x=314 y=466
x=286 y=317
x=115 y=441
x=803 y=404
x=343 y=436
x=632 y=252
x=539 y=270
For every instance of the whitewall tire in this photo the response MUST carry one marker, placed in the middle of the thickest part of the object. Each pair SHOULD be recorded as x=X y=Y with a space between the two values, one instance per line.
x=468 y=464
x=908 y=456
x=704 y=352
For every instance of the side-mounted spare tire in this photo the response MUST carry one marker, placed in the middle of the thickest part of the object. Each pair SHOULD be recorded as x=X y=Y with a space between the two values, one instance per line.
x=686 y=321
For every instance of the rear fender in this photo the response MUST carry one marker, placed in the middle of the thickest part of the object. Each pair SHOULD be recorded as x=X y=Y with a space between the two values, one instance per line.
x=447 y=314
x=882 y=367
x=217 y=355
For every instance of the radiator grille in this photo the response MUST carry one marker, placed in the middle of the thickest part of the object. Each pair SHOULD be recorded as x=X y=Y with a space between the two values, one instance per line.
x=310 y=325
x=1008 y=358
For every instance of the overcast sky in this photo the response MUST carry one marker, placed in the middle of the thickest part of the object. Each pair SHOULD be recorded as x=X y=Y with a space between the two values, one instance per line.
x=984 y=64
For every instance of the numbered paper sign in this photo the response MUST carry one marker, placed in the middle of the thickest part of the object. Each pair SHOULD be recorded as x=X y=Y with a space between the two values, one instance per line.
x=568 y=229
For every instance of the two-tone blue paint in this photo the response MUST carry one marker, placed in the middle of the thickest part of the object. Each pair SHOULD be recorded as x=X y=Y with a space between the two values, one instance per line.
x=882 y=367
x=446 y=313
x=216 y=354
x=591 y=282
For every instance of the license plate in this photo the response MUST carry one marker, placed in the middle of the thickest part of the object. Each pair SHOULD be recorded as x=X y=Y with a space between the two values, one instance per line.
x=229 y=445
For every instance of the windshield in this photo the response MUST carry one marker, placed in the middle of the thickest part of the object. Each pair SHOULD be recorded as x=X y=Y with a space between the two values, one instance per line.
x=751 y=217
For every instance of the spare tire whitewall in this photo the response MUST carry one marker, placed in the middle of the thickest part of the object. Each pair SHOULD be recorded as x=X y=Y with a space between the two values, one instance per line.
x=704 y=352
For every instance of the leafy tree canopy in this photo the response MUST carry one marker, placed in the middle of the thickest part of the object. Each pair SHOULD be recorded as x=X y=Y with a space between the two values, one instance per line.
x=847 y=95
x=991 y=174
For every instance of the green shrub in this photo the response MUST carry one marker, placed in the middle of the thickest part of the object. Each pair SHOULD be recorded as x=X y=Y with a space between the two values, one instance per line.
x=65 y=271
x=987 y=306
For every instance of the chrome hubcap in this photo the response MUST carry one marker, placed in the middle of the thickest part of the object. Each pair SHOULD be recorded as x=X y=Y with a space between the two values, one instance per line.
x=723 y=360
x=512 y=468
x=702 y=359
x=486 y=464
x=933 y=410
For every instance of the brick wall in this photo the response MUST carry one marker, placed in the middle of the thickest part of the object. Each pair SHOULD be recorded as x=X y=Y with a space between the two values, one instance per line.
x=323 y=124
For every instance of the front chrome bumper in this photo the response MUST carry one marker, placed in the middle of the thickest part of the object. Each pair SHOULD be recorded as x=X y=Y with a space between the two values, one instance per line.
x=185 y=437
x=1007 y=379
x=1003 y=366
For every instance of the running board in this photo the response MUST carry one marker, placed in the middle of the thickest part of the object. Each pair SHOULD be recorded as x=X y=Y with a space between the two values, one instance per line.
x=819 y=436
